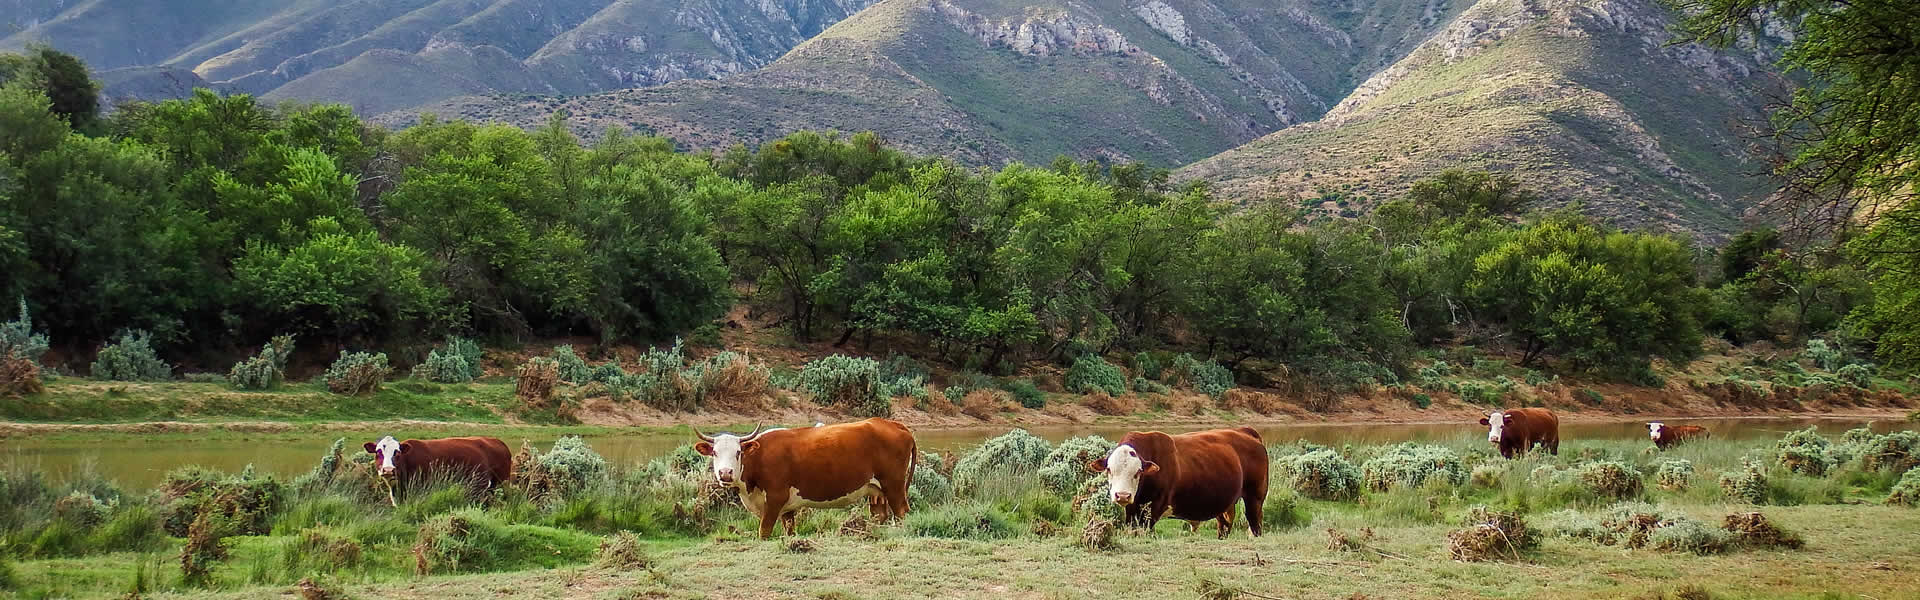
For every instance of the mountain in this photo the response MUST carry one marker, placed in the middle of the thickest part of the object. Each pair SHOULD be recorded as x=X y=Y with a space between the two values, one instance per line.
x=1164 y=81
x=1584 y=100
x=383 y=55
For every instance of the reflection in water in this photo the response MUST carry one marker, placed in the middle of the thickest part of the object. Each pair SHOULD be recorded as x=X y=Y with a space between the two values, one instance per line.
x=140 y=463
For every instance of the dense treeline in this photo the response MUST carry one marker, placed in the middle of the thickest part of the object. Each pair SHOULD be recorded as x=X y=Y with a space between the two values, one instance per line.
x=216 y=222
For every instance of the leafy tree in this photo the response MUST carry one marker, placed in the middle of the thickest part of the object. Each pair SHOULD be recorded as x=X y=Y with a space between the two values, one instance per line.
x=64 y=79
x=341 y=283
x=1460 y=193
x=1747 y=252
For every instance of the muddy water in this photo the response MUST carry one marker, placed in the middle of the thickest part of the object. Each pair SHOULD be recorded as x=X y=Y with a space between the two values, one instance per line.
x=139 y=463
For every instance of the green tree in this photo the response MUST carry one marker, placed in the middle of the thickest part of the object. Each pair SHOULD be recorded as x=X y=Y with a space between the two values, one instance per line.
x=63 y=78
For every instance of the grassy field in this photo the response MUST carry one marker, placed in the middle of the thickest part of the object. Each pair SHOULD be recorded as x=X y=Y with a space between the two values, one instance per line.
x=1009 y=522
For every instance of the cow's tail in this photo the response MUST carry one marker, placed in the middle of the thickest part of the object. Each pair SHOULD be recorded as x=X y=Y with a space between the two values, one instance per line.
x=1250 y=431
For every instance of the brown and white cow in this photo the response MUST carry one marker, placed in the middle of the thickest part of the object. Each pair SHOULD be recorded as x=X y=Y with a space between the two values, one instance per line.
x=1517 y=431
x=1198 y=476
x=780 y=471
x=484 y=460
x=1667 y=436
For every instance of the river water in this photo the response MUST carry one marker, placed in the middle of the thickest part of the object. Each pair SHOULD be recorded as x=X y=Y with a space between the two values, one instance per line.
x=138 y=463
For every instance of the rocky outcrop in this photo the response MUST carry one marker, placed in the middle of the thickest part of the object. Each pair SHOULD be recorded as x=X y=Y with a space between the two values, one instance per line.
x=1040 y=33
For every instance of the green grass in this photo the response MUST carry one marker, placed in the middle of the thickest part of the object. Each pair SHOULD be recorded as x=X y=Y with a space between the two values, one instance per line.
x=75 y=400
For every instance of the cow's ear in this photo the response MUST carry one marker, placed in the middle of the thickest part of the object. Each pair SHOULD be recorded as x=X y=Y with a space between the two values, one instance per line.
x=405 y=446
x=369 y=447
x=1097 y=466
x=1483 y=421
x=703 y=448
x=749 y=447
x=1149 y=469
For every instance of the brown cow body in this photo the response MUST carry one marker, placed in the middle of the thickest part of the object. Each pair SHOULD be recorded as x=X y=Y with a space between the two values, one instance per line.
x=484 y=459
x=1667 y=436
x=1195 y=476
x=1520 y=429
x=780 y=471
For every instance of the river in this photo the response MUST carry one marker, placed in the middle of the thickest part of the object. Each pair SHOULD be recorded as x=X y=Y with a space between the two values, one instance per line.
x=137 y=463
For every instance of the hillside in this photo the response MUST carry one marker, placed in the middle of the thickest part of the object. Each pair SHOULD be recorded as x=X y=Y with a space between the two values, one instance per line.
x=988 y=81
x=392 y=54
x=1581 y=99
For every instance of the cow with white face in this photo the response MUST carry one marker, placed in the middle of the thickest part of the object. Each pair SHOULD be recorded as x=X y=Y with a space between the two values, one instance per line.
x=780 y=471
x=1653 y=430
x=1666 y=436
x=1517 y=431
x=1195 y=476
x=484 y=461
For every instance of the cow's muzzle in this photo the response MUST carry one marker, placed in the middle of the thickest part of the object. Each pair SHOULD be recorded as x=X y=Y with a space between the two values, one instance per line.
x=1122 y=498
x=724 y=476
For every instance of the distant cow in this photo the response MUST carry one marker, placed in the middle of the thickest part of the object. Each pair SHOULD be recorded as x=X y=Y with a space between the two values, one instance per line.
x=484 y=459
x=1667 y=436
x=1516 y=431
x=780 y=471
x=1198 y=476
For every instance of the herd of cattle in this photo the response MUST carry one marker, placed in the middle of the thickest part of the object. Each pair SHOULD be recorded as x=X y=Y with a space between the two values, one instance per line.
x=1196 y=477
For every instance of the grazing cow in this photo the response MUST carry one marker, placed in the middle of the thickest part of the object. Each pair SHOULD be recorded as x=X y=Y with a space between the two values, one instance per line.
x=1667 y=436
x=780 y=471
x=1198 y=476
x=1516 y=431
x=484 y=459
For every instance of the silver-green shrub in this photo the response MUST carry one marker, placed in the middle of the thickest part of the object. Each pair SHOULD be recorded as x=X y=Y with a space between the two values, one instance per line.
x=1412 y=465
x=130 y=358
x=1012 y=452
x=264 y=370
x=848 y=382
x=356 y=373
x=1064 y=470
x=1091 y=373
x=1321 y=474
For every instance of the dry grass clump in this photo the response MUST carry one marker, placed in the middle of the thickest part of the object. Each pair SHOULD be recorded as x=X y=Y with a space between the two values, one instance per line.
x=858 y=526
x=1109 y=405
x=737 y=386
x=1189 y=404
x=534 y=387
x=1489 y=535
x=1341 y=541
x=1238 y=399
x=338 y=550
x=800 y=545
x=985 y=404
x=621 y=551
x=1753 y=530
x=1098 y=534
x=308 y=589
x=939 y=404
x=19 y=376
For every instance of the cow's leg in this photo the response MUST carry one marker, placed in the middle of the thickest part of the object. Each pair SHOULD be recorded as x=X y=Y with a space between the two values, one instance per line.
x=1553 y=445
x=1226 y=523
x=895 y=493
x=789 y=518
x=1255 y=501
x=770 y=511
x=1159 y=510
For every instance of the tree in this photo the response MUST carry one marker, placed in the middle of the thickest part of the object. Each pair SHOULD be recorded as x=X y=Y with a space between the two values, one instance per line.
x=63 y=78
x=1460 y=193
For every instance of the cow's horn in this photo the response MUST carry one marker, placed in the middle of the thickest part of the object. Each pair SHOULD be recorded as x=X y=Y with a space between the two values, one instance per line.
x=756 y=433
x=703 y=437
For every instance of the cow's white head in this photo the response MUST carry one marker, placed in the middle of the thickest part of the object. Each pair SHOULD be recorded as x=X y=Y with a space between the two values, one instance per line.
x=383 y=453
x=1124 y=468
x=1496 y=422
x=1653 y=429
x=726 y=450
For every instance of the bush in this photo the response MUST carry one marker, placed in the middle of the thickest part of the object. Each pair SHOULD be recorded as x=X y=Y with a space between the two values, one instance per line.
x=1688 y=535
x=572 y=368
x=1591 y=397
x=357 y=373
x=130 y=358
x=1858 y=375
x=1149 y=365
x=928 y=487
x=1105 y=404
x=17 y=337
x=621 y=551
x=1090 y=373
x=1489 y=535
x=239 y=505
x=1896 y=452
x=572 y=465
x=1321 y=474
x=1012 y=452
x=1026 y=393
x=1421 y=401
x=470 y=541
x=985 y=404
x=456 y=362
x=1674 y=474
x=264 y=370
x=1907 y=491
x=1804 y=452
x=534 y=387
x=1148 y=386
x=1611 y=479
x=1826 y=356
x=1203 y=376
x=658 y=380
x=1412 y=465
x=19 y=376
x=1283 y=510
x=1754 y=530
x=848 y=382
x=967 y=521
x=1749 y=484
x=1064 y=470
x=730 y=380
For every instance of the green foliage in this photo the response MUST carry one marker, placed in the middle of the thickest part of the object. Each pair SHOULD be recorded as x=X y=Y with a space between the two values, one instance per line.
x=1091 y=373
x=1611 y=479
x=1203 y=376
x=928 y=486
x=130 y=358
x=572 y=368
x=1748 y=484
x=1456 y=193
x=444 y=367
x=1413 y=465
x=1321 y=474
x=1674 y=474
x=1064 y=470
x=848 y=382
x=472 y=541
x=572 y=465
x=1907 y=491
x=1804 y=451
x=357 y=373
x=1026 y=393
x=265 y=370
x=18 y=339
x=1148 y=386
x=966 y=521
x=1014 y=452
